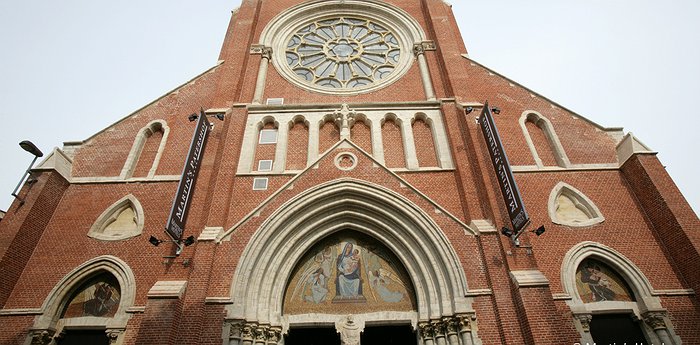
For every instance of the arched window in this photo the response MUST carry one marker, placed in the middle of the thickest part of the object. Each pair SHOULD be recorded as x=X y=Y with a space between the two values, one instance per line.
x=425 y=143
x=611 y=299
x=266 y=144
x=298 y=144
x=569 y=206
x=146 y=151
x=392 y=140
x=88 y=306
x=543 y=141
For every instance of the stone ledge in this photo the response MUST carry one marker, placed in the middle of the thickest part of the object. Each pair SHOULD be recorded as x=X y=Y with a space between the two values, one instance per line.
x=531 y=278
x=210 y=233
x=167 y=289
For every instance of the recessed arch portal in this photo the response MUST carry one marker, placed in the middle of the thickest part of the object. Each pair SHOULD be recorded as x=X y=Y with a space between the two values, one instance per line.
x=430 y=261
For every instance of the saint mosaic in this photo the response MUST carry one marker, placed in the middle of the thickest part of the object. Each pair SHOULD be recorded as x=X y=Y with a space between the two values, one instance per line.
x=352 y=271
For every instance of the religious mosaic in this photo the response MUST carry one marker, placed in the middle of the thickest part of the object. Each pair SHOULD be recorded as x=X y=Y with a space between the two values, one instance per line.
x=98 y=297
x=351 y=273
x=597 y=282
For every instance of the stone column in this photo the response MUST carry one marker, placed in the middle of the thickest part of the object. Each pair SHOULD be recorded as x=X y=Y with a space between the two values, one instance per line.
x=247 y=334
x=656 y=320
x=314 y=127
x=439 y=329
x=234 y=334
x=260 y=335
x=409 y=144
x=280 y=163
x=419 y=51
x=585 y=321
x=465 y=329
x=426 y=333
x=377 y=144
x=266 y=55
x=451 y=326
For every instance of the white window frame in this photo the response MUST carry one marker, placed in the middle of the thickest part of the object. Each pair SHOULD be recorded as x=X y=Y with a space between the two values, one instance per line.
x=258 y=180
x=265 y=161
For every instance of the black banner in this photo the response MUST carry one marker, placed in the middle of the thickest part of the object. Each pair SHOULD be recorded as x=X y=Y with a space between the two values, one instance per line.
x=178 y=214
x=509 y=189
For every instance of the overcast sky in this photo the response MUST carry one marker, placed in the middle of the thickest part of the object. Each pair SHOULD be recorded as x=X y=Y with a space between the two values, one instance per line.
x=69 y=68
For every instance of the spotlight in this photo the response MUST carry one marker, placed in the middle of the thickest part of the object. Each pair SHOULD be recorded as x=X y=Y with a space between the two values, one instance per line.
x=496 y=110
x=469 y=110
x=220 y=116
x=539 y=231
x=506 y=232
x=192 y=117
x=154 y=241
x=188 y=241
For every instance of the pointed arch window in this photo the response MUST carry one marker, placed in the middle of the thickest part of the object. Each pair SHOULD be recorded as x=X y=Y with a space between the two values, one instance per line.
x=543 y=140
x=392 y=137
x=569 y=206
x=146 y=151
x=123 y=219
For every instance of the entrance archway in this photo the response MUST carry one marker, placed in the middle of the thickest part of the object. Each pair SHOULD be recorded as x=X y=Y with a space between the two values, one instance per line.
x=419 y=244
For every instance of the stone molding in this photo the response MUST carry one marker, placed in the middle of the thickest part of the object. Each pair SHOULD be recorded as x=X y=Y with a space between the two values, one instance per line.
x=546 y=126
x=260 y=278
x=59 y=161
x=580 y=200
x=109 y=215
x=210 y=233
x=630 y=146
x=137 y=148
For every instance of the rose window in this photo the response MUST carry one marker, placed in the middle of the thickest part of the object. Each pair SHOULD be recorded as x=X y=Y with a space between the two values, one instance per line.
x=343 y=53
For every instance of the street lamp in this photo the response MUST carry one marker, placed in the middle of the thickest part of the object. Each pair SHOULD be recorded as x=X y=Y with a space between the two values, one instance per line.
x=28 y=146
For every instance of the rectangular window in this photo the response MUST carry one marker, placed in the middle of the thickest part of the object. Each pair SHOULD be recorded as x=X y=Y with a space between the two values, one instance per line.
x=275 y=101
x=265 y=165
x=260 y=183
x=268 y=136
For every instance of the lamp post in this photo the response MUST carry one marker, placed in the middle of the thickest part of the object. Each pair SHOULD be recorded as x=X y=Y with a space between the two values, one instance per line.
x=28 y=146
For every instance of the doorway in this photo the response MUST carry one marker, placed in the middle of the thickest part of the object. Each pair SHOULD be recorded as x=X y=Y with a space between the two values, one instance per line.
x=388 y=335
x=616 y=329
x=312 y=336
x=84 y=336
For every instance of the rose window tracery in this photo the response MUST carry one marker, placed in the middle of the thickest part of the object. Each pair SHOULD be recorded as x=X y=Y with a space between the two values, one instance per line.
x=343 y=53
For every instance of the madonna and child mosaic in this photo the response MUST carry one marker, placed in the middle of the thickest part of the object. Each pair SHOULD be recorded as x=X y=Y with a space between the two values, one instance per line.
x=99 y=297
x=348 y=273
x=596 y=282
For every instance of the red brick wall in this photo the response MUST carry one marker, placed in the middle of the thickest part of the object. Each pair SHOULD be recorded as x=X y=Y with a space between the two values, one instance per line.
x=542 y=144
x=298 y=147
x=425 y=145
x=148 y=154
x=394 y=156
x=361 y=135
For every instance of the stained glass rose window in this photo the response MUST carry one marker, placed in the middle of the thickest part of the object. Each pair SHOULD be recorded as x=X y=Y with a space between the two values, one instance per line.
x=343 y=53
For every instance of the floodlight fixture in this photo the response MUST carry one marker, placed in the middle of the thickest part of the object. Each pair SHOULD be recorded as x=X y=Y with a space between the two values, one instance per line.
x=220 y=116
x=154 y=241
x=539 y=231
x=469 y=110
x=188 y=241
x=193 y=117
x=507 y=232
x=496 y=110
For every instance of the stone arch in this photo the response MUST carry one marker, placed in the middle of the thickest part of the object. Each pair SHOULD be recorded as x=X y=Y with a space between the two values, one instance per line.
x=431 y=153
x=260 y=280
x=394 y=141
x=553 y=140
x=49 y=322
x=110 y=226
x=139 y=143
x=647 y=307
x=589 y=212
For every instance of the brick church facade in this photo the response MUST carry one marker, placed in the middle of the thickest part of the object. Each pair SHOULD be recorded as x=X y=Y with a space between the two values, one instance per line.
x=346 y=195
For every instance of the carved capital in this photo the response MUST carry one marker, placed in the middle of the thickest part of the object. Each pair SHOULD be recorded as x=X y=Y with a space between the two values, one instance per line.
x=439 y=328
x=655 y=320
x=426 y=330
x=261 y=333
x=421 y=48
x=274 y=335
x=236 y=329
x=264 y=51
x=247 y=331
x=113 y=335
x=451 y=325
x=41 y=337
x=464 y=322
x=585 y=321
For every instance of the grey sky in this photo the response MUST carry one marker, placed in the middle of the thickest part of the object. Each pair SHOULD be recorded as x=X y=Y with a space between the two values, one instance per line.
x=70 y=68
